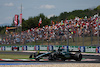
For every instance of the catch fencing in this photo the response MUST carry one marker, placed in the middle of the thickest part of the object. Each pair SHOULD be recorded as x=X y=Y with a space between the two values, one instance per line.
x=72 y=36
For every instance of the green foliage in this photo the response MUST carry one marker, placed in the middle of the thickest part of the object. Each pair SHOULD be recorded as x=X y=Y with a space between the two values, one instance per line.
x=32 y=22
x=77 y=13
x=2 y=29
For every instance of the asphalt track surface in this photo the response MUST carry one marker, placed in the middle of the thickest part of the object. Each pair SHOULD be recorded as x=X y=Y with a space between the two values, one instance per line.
x=97 y=57
x=29 y=53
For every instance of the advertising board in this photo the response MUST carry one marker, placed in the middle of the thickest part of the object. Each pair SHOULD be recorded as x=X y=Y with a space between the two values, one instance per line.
x=91 y=49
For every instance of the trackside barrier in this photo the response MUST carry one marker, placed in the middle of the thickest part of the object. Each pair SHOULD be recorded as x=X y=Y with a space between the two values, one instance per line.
x=0 y=48
x=82 y=48
x=50 y=47
x=90 y=49
x=24 y=47
x=65 y=47
x=43 y=47
x=8 y=48
x=73 y=48
x=30 y=47
x=20 y=48
x=98 y=49
x=3 y=48
x=36 y=47
x=15 y=48
x=55 y=47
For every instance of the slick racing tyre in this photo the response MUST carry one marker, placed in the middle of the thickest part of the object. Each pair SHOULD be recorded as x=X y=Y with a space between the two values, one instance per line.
x=78 y=56
x=30 y=56
x=54 y=57
x=63 y=59
x=50 y=58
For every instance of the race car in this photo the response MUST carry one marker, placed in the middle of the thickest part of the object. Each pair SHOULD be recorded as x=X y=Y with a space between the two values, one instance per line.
x=59 y=54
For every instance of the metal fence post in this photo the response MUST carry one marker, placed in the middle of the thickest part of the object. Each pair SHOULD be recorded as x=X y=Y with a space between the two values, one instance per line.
x=54 y=37
x=83 y=36
x=98 y=30
x=76 y=37
x=42 y=36
x=48 y=38
x=91 y=36
x=67 y=38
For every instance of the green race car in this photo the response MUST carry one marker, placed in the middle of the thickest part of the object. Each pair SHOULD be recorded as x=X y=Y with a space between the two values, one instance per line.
x=59 y=54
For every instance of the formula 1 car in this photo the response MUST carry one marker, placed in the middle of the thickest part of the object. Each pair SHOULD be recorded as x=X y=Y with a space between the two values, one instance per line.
x=59 y=54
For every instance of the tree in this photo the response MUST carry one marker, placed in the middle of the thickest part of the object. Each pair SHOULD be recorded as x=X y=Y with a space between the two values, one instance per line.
x=32 y=22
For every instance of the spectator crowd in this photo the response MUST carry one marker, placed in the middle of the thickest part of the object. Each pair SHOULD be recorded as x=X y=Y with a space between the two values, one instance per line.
x=57 y=31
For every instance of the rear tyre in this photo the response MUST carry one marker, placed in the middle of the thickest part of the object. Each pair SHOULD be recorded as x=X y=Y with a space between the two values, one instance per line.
x=78 y=56
x=52 y=57
x=63 y=59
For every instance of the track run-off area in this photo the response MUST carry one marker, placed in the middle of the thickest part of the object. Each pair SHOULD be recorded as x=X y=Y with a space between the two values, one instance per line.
x=90 y=59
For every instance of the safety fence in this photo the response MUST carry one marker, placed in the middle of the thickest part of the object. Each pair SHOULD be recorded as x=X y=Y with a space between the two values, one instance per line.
x=90 y=49
x=67 y=37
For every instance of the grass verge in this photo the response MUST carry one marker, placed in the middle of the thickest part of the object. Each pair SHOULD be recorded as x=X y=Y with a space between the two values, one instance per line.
x=13 y=56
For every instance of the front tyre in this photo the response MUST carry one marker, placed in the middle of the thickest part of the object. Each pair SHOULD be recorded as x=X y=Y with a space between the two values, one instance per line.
x=50 y=58
x=30 y=56
x=54 y=57
x=37 y=59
